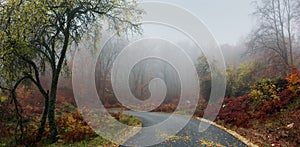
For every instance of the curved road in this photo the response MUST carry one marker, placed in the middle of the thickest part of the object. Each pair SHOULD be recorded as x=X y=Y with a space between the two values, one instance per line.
x=188 y=136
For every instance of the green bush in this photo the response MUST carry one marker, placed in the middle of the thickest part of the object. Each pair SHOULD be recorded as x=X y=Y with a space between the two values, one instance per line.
x=239 y=79
x=266 y=90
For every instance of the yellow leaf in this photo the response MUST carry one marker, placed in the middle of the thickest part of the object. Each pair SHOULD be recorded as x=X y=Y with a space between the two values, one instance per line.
x=3 y=99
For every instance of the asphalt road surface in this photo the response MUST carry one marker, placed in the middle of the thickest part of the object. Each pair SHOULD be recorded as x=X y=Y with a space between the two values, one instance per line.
x=188 y=136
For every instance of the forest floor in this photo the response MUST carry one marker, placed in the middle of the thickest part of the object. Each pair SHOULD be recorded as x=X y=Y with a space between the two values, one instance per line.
x=277 y=129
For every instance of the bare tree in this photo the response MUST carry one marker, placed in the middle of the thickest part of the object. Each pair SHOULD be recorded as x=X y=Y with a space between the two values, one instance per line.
x=139 y=80
x=105 y=62
x=149 y=69
x=275 y=30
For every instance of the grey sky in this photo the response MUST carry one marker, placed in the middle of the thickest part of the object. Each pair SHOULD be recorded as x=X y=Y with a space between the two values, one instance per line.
x=228 y=20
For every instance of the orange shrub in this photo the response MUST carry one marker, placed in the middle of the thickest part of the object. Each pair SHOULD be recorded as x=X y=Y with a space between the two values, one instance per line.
x=294 y=81
x=73 y=128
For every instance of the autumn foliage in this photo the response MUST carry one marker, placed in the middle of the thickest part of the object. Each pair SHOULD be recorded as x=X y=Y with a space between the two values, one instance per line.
x=266 y=97
x=271 y=104
x=235 y=111
x=294 y=82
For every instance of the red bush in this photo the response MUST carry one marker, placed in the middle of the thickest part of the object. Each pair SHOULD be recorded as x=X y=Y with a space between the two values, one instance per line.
x=165 y=108
x=273 y=106
x=235 y=111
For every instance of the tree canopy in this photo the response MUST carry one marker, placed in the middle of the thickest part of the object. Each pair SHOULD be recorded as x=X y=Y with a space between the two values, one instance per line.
x=38 y=33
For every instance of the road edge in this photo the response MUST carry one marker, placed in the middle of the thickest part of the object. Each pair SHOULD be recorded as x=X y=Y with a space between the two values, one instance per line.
x=233 y=133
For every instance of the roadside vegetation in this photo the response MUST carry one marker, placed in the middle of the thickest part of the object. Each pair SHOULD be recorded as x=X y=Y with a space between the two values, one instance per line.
x=267 y=115
x=73 y=129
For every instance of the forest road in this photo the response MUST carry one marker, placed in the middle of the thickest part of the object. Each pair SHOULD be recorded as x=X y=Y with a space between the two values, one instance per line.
x=188 y=136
